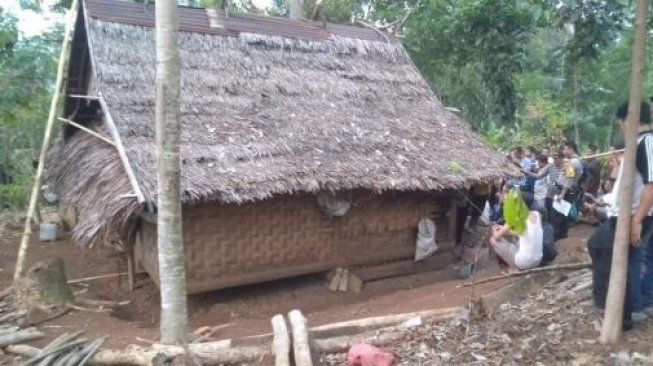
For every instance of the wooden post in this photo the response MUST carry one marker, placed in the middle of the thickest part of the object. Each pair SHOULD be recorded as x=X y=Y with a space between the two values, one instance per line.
x=129 y=250
x=614 y=307
x=38 y=179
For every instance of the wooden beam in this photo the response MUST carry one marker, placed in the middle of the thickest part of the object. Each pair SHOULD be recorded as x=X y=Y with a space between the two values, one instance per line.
x=87 y=130
x=111 y=127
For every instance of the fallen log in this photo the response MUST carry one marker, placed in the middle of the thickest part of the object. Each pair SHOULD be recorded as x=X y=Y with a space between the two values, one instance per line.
x=300 y=339
x=20 y=336
x=136 y=356
x=558 y=267
x=343 y=344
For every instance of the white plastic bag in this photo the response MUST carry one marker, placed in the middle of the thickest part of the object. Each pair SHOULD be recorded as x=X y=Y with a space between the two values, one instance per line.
x=334 y=204
x=425 y=244
x=485 y=216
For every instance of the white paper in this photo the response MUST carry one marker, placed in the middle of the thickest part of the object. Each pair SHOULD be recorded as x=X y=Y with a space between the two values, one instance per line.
x=562 y=206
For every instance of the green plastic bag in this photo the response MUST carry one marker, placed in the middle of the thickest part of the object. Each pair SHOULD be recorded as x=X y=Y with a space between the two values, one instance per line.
x=515 y=211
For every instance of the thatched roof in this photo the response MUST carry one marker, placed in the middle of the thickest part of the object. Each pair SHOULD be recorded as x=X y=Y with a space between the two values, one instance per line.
x=273 y=106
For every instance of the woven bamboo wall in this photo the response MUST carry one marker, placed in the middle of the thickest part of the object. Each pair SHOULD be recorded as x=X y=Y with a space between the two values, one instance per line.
x=230 y=245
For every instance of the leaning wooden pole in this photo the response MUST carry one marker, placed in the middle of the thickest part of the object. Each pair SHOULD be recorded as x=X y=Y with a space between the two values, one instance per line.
x=614 y=307
x=38 y=178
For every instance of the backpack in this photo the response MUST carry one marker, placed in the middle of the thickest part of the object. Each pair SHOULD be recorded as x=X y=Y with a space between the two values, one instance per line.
x=549 y=250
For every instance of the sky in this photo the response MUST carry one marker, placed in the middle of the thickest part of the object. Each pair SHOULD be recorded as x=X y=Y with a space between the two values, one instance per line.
x=29 y=22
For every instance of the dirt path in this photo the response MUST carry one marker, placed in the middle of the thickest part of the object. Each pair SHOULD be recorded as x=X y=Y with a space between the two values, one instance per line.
x=247 y=310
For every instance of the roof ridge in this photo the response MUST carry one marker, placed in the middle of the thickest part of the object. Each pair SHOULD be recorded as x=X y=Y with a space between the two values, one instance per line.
x=200 y=21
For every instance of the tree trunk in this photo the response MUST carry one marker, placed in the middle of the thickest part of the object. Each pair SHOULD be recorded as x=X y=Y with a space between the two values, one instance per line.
x=614 y=307
x=172 y=270
x=295 y=9
x=575 y=105
x=44 y=286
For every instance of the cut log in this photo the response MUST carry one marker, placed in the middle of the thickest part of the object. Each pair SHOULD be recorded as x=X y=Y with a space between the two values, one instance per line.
x=300 y=340
x=355 y=283
x=335 y=280
x=136 y=356
x=344 y=281
x=281 y=341
x=19 y=337
x=403 y=268
x=45 y=285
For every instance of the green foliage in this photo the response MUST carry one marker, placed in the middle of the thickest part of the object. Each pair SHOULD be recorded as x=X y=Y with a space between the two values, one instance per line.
x=515 y=211
x=27 y=70
x=456 y=168
x=487 y=35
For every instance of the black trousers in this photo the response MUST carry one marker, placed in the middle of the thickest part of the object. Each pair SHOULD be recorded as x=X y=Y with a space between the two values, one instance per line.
x=559 y=221
x=469 y=210
x=600 y=247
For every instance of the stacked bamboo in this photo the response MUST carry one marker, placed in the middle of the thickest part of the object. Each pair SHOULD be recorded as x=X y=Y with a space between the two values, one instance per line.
x=67 y=350
x=10 y=315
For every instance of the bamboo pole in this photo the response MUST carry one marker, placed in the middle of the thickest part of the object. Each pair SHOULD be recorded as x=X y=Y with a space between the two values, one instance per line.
x=557 y=267
x=603 y=154
x=102 y=277
x=87 y=130
x=113 y=131
x=36 y=188
x=614 y=305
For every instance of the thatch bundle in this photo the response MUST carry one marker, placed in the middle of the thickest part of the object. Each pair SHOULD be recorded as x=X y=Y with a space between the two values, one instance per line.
x=264 y=114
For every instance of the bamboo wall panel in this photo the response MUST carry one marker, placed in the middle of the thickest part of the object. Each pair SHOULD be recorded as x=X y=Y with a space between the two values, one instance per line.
x=231 y=245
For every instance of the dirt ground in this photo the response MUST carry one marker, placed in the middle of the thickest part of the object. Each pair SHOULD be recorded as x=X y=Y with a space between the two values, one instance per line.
x=244 y=310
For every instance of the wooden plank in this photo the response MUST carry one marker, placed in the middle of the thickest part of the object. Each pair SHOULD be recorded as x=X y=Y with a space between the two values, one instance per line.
x=407 y=267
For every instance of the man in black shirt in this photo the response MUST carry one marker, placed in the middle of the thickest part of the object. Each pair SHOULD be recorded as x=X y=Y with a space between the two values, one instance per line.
x=601 y=243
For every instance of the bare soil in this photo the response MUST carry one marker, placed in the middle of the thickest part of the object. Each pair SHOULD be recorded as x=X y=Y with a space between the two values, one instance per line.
x=245 y=310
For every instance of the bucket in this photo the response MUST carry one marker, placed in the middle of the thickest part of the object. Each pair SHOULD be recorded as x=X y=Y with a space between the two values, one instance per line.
x=48 y=231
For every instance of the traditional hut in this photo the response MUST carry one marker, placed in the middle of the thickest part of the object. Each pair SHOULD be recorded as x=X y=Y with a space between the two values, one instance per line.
x=304 y=146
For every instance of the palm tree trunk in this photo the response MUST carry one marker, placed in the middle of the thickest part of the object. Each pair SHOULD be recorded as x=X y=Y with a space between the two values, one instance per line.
x=295 y=9
x=614 y=307
x=172 y=271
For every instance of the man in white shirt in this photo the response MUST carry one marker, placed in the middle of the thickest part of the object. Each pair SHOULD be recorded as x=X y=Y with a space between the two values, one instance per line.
x=601 y=243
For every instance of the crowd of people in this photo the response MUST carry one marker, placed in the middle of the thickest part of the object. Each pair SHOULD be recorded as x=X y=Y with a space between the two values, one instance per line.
x=557 y=188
